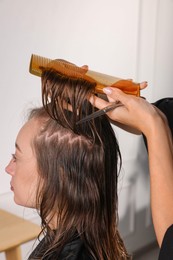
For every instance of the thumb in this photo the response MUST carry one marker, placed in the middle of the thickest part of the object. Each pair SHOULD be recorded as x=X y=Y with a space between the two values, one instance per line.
x=116 y=94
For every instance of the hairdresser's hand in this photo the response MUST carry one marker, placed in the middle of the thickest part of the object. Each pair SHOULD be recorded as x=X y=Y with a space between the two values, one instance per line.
x=136 y=115
x=85 y=68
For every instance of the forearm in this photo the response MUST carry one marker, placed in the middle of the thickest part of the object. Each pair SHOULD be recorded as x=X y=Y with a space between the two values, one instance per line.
x=140 y=115
x=161 y=175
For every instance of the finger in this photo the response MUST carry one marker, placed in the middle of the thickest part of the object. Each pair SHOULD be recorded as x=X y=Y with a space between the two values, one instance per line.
x=85 y=67
x=116 y=94
x=98 y=102
x=143 y=85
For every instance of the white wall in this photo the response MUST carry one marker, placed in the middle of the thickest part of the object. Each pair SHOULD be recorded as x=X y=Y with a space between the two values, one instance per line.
x=101 y=34
x=128 y=39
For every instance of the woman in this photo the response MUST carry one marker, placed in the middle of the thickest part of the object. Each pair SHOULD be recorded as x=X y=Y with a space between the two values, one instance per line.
x=68 y=172
x=137 y=113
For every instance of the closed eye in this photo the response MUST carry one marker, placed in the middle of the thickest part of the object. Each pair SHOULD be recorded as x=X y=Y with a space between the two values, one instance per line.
x=13 y=157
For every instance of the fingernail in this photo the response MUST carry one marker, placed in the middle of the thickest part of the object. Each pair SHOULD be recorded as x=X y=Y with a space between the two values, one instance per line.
x=107 y=90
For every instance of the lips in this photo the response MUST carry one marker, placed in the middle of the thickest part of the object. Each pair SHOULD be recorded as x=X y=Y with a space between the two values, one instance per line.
x=11 y=187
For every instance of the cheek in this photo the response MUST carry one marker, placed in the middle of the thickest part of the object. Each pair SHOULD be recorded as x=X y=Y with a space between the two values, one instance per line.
x=25 y=194
x=31 y=185
x=26 y=175
x=25 y=188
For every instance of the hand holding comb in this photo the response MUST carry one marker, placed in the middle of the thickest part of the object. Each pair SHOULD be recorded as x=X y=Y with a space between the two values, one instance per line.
x=38 y=63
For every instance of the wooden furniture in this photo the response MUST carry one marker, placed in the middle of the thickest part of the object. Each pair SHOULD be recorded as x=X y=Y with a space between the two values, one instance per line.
x=15 y=231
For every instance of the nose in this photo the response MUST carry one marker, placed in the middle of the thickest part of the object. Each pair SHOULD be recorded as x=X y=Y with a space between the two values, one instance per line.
x=10 y=168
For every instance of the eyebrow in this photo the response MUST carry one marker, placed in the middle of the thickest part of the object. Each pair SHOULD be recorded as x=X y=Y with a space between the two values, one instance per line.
x=18 y=147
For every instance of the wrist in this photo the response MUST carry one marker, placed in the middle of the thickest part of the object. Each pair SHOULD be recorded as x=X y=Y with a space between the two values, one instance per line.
x=157 y=128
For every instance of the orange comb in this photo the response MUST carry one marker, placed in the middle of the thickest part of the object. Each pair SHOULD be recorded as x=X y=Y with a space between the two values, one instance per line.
x=38 y=63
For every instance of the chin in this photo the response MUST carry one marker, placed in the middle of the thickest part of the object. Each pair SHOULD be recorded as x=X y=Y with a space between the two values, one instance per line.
x=23 y=203
x=18 y=201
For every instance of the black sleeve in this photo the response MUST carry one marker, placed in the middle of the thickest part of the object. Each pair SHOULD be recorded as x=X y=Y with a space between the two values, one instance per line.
x=166 y=250
x=166 y=106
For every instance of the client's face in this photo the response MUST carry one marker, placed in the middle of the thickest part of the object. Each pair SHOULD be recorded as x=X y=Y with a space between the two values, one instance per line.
x=23 y=166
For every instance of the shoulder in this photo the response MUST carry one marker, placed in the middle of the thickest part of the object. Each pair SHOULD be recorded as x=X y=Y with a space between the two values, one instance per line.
x=74 y=250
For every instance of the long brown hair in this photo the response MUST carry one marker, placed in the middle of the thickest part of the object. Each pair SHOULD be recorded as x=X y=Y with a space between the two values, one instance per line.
x=78 y=164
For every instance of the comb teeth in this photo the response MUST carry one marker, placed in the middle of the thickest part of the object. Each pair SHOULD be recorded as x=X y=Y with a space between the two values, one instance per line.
x=36 y=63
x=64 y=67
